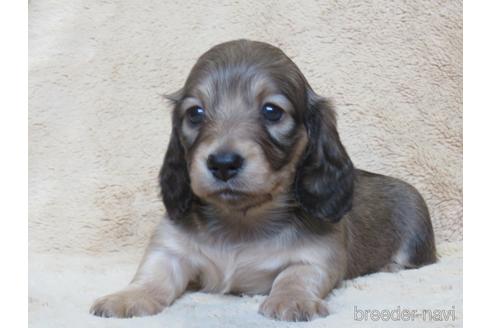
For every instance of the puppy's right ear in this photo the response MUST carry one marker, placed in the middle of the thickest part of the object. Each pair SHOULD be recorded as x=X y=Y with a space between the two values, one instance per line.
x=173 y=98
x=174 y=177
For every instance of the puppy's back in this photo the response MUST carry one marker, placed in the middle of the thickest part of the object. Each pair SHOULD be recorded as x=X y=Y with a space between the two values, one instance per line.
x=389 y=226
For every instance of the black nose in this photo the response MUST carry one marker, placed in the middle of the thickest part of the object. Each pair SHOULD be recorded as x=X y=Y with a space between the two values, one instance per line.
x=224 y=165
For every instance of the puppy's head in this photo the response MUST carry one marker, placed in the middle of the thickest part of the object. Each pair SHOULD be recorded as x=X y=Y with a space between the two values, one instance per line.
x=247 y=127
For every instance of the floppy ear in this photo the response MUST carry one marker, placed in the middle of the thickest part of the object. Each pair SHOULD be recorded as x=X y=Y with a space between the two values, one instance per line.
x=324 y=180
x=174 y=178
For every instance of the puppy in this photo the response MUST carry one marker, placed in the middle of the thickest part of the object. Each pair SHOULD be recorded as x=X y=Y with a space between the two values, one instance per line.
x=262 y=197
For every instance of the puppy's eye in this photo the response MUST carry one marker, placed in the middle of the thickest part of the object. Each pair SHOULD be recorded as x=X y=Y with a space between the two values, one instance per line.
x=272 y=112
x=195 y=115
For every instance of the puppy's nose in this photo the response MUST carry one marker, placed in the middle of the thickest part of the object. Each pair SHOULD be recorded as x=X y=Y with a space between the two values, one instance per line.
x=224 y=165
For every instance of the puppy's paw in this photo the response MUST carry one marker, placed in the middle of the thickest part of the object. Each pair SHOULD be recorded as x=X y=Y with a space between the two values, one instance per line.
x=127 y=303
x=292 y=308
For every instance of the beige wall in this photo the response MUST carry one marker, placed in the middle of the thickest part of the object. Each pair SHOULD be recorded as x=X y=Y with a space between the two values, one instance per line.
x=98 y=127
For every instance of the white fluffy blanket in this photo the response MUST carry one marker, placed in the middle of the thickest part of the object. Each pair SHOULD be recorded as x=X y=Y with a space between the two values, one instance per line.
x=98 y=129
x=62 y=288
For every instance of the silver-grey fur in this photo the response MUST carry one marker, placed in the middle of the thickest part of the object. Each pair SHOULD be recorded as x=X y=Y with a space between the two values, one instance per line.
x=295 y=221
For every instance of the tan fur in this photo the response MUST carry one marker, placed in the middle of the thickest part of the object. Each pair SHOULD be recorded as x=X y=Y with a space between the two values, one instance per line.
x=174 y=259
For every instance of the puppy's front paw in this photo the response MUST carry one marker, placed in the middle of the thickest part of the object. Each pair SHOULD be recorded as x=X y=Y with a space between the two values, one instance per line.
x=126 y=304
x=293 y=308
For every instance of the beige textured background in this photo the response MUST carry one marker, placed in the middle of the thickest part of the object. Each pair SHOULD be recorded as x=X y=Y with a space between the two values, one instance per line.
x=98 y=127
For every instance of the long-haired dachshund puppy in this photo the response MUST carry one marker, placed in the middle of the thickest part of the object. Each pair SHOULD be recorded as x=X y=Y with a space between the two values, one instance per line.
x=262 y=197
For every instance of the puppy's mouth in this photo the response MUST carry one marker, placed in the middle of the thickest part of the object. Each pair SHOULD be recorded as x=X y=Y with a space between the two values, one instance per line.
x=237 y=199
x=229 y=194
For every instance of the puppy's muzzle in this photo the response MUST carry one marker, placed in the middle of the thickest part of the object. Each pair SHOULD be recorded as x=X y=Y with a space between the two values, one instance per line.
x=224 y=165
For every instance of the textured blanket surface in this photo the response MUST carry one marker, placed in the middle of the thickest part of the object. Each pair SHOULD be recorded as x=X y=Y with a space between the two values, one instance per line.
x=98 y=130
x=62 y=288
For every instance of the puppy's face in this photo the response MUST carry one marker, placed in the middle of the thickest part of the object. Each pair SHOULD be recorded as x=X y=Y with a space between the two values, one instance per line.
x=241 y=127
x=244 y=126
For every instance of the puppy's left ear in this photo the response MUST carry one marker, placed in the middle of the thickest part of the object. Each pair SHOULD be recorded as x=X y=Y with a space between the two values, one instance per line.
x=174 y=177
x=325 y=176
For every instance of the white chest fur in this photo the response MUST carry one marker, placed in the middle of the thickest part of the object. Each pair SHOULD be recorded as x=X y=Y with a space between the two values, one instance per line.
x=248 y=268
x=245 y=267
